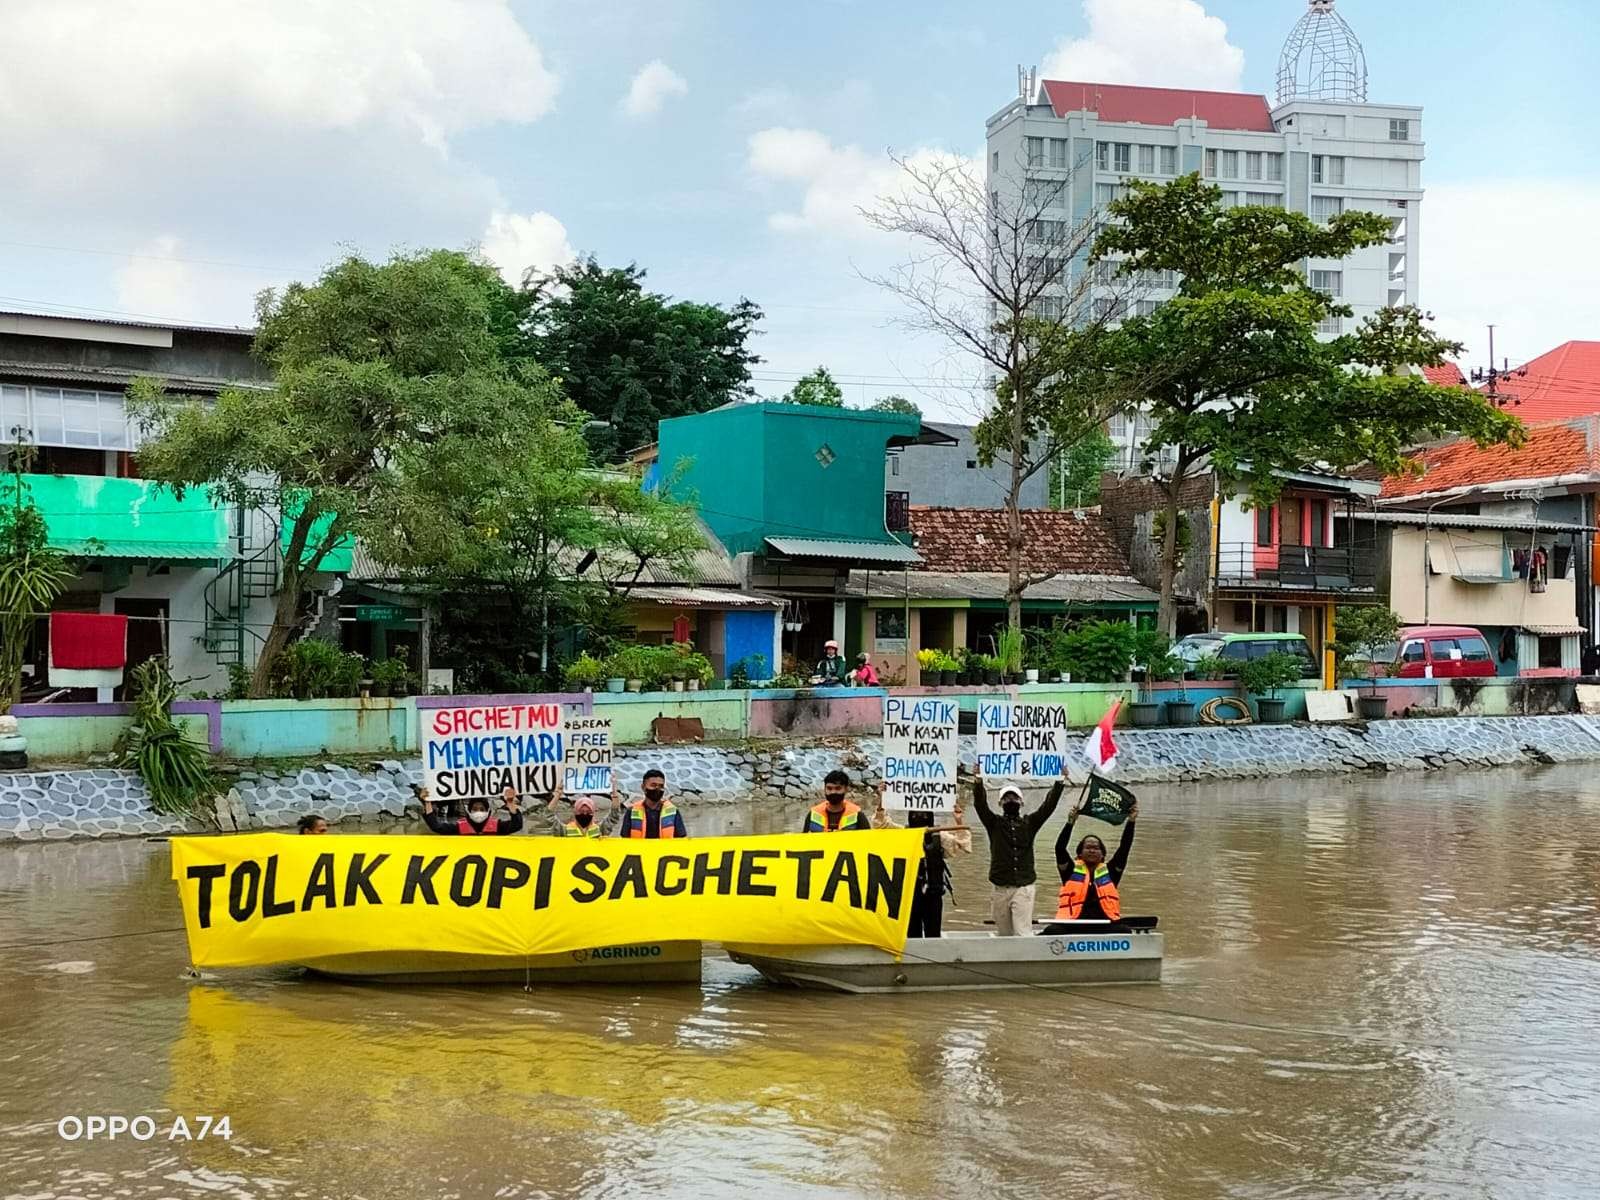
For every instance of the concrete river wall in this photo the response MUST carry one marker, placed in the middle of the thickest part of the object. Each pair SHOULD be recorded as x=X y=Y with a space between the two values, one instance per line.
x=105 y=802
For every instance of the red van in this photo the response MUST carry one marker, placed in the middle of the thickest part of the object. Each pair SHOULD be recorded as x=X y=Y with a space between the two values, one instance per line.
x=1442 y=652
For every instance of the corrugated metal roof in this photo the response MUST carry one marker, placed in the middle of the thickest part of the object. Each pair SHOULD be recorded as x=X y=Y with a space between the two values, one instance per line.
x=693 y=597
x=186 y=551
x=1553 y=630
x=986 y=585
x=883 y=552
x=1444 y=520
x=94 y=319
x=118 y=377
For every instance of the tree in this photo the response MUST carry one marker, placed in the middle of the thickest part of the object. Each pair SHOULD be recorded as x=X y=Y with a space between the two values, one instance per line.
x=631 y=357
x=1077 y=483
x=389 y=392
x=1247 y=386
x=895 y=404
x=817 y=388
x=32 y=575
x=992 y=274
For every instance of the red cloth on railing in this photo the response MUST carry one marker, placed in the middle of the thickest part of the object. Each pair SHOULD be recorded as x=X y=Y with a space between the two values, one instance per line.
x=88 y=641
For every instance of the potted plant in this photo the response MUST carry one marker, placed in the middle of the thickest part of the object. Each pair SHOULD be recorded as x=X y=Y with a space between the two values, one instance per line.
x=989 y=668
x=1151 y=655
x=1008 y=649
x=388 y=674
x=1368 y=634
x=1210 y=666
x=699 y=671
x=928 y=660
x=963 y=661
x=584 y=673
x=1263 y=677
x=949 y=670
x=632 y=664
x=1182 y=710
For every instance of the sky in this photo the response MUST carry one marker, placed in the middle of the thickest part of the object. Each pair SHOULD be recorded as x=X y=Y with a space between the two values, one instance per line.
x=169 y=159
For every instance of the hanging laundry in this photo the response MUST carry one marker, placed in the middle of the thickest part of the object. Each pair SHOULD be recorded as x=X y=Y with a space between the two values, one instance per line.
x=87 y=649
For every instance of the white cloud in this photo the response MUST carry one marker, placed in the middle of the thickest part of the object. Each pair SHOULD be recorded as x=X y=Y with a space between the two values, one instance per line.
x=158 y=281
x=518 y=244
x=1157 y=43
x=1515 y=253
x=651 y=88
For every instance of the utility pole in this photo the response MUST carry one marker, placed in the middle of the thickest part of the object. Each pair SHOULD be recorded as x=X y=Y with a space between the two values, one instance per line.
x=1493 y=377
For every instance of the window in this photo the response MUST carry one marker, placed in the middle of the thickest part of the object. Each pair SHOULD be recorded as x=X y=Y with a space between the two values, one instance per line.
x=1122 y=157
x=1035 y=151
x=1327 y=168
x=1275 y=168
x=1102 y=156
x=1330 y=327
x=1413 y=652
x=1229 y=164
x=1110 y=308
x=1262 y=200
x=1229 y=200
x=1118 y=426
x=1058 y=152
x=1048 y=231
x=994 y=161
x=1106 y=270
x=1147 y=160
x=1444 y=649
x=972 y=464
x=1264 y=526
x=1400 y=131
x=1549 y=647
x=1325 y=208
x=67 y=417
x=1211 y=164
x=1158 y=280
x=1330 y=283
x=1169 y=160
x=1253 y=165
x=1146 y=308
x=1042 y=193
x=1474 y=649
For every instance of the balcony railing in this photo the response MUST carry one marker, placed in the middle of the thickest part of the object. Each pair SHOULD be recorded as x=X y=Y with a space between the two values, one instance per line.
x=897 y=512
x=1338 y=569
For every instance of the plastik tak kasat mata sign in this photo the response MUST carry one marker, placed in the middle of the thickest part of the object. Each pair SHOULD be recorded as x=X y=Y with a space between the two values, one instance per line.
x=267 y=898
x=480 y=750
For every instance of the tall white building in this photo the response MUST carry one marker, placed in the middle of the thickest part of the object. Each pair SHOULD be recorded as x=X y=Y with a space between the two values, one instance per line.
x=1322 y=149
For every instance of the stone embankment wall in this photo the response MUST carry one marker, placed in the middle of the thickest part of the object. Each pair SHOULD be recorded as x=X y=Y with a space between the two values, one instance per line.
x=113 y=803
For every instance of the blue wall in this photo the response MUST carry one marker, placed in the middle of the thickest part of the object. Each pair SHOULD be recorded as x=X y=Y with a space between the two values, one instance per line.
x=746 y=633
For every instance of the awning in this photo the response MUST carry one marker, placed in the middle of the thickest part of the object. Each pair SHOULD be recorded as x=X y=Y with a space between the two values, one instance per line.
x=1570 y=630
x=687 y=597
x=865 y=552
x=100 y=516
x=1483 y=579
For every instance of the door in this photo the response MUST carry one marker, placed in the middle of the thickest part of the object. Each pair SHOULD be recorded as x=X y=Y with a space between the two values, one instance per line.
x=1289 y=518
x=147 y=634
x=1413 y=659
x=1444 y=656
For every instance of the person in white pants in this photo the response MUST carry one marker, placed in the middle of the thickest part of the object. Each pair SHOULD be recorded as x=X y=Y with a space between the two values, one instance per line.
x=1011 y=838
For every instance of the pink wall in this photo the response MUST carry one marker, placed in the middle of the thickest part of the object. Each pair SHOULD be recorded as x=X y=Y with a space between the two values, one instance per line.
x=833 y=711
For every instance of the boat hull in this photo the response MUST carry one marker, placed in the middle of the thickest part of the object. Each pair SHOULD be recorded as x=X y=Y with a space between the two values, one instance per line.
x=963 y=962
x=643 y=962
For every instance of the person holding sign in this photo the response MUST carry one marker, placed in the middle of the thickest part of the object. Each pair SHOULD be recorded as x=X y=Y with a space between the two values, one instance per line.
x=835 y=813
x=1011 y=865
x=582 y=824
x=1088 y=882
x=933 y=872
x=478 y=821
x=653 y=817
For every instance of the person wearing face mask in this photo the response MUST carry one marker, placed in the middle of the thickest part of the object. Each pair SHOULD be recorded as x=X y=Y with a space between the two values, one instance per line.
x=478 y=821
x=835 y=813
x=1088 y=881
x=1011 y=866
x=583 y=822
x=832 y=668
x=653 y=817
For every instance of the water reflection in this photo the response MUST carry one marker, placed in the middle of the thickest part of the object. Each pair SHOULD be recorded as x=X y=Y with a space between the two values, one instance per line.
x=1375 y=987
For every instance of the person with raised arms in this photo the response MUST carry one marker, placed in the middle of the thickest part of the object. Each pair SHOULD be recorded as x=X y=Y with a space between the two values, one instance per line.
x=1011 y=867
x=933 y=872
x=478 y=822
x=1088 y=881
x=583 y=823
x=655 y=816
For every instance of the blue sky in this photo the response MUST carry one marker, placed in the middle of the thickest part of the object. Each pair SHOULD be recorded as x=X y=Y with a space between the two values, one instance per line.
x=172 y=162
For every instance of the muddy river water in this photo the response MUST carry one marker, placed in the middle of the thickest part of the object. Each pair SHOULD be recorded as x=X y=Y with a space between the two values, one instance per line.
x=1379 y=986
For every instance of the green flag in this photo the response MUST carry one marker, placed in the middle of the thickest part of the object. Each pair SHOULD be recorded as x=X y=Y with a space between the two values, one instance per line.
x=1107 y=801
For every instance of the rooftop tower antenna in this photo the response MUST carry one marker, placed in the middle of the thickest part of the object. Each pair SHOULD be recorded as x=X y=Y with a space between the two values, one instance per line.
x=1322 y=59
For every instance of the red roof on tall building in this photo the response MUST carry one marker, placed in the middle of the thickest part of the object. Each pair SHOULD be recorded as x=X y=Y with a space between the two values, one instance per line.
x=1563 y=383
x=1077 y=542
x=1551 y=452
x=1160 y=106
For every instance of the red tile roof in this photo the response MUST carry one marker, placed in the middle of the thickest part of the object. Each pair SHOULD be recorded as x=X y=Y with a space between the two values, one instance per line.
x=1445 y=375
x=1160 y=106
x=1566 y=448
x=974 y=539
x=1563 y=383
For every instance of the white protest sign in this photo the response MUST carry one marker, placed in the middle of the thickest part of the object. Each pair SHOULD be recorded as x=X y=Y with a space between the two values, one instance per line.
x=587 y=767
x=920 y=752
x=482 y=750
x=1021 y=741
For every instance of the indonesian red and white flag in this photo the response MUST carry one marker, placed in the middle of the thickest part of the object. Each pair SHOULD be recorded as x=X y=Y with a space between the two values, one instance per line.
x=1101 y=748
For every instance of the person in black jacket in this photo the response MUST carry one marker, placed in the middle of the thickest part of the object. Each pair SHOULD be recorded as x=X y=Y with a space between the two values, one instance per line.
x=478 y=820
x=1011 y=866
x=933 y=872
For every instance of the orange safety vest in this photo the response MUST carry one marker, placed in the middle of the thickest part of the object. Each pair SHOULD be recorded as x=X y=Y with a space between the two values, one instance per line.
x=638 y=827
x=573 y=829
x=464 y=826
x=1076 y=889
x=817 y=820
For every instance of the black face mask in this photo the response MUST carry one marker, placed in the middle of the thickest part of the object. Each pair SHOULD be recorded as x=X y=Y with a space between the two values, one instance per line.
x=1011 y=808
x=584 y=819
x=654 y=793
x=834 y=801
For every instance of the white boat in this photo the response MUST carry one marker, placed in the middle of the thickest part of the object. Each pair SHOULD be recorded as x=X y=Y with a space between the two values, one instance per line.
x=1062 y=953
x=640 y=962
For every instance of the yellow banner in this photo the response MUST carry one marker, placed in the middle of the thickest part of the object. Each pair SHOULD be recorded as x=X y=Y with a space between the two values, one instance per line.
x=264 y=898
